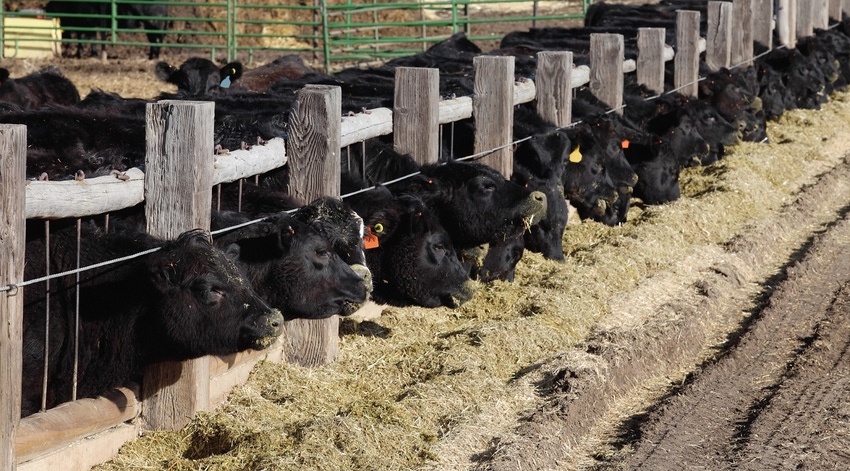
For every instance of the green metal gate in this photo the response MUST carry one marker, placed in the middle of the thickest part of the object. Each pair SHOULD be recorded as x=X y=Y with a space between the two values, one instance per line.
x=333 y=32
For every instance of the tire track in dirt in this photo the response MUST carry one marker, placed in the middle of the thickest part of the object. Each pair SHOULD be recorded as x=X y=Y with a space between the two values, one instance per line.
x=654 y=337
x=731 y=413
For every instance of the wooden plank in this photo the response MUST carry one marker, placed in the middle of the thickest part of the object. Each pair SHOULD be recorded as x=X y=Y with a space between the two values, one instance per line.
x=416 y=113
x=229 y=371
x=718 y=51
x=493 y=110
x=85 y=453
x=73 y=199
x=805 y=14
x=13 y=158
x=314 y=157
x=241 y=163
x=178 y=196
x=786 y=22
x=820 y=9
x=686 y=62
x=52 y=430
x=606 y=68
x=650 y=61
x=742 y=32
x=373 y=123
x=763 y=23
x=835 y=9
x=554 y=95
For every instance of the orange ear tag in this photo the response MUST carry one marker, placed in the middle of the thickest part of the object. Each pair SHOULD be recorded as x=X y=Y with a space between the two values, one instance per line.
x=625 y=144
x=370 y=241
x=575 y=156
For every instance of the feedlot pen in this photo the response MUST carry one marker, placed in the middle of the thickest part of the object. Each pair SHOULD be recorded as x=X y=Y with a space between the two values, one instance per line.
x=525 y=92
x=330 y=32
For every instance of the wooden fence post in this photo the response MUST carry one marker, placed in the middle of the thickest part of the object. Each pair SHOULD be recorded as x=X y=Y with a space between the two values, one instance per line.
x=314 y=163
x=606 y=68
x=835 y=9
x=13 y=158
x=416 y=113
x=821 y=14
x=786 y=22
x=493 y=110
x=804 y=25
x=845 y=8
x=763 y=23
x=686 y=61
x=718 y=41
x=742 y=32
x=178 y=197
x=554 y=93
x=650 y=61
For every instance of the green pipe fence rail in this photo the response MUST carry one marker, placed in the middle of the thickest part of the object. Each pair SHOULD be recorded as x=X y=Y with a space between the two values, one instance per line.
x=333 y=33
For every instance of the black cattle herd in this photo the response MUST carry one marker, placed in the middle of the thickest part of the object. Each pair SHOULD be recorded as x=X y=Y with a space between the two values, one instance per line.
x=425 y=240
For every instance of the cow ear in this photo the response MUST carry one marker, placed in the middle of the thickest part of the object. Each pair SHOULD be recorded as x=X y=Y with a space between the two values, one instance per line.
x=4 y=74
x=163 y=271
x=164 y=71
x=232 y=70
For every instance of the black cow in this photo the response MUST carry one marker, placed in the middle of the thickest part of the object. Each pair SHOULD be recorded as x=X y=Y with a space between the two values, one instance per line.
x=148 y=16
x=411 y=256
x=292 y=266
x=289 y=67
x=64 y=140
x=539 y=164
x=328 y=216
x=197 y=77
x=32 y=91
x=474 y=202
x=183 y=301
x=88 y=20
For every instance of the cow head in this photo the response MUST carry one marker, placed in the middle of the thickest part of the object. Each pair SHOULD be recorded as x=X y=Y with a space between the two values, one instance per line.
x=206 y=305
x=198 y=77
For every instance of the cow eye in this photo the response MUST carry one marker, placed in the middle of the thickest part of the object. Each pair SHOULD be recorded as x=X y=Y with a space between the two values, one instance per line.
x=596 y=169
x=214 y=296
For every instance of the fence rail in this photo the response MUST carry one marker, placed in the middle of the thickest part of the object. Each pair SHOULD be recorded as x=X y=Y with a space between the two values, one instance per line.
x=31 y=443
x=360 y=30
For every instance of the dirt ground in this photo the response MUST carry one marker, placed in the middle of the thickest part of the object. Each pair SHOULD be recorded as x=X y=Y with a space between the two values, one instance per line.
x=710 y=333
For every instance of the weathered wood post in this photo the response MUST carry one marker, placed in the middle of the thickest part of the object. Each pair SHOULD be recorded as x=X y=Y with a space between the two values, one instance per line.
x=606 y=68
x=554 y=93
x=314 y=163
x=493 y=110
x=178 y=197
x=835 y=9
x=13 y=158
x=786 y=22
x=650 y=61
x=821 y=14
x=742 y=32
x=416 y=113
x=763 y=23
x=686 y=62
x=805 y=14
x=718 y=41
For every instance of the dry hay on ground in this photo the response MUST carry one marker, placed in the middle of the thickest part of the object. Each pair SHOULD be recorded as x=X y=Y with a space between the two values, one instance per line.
x=442 y=389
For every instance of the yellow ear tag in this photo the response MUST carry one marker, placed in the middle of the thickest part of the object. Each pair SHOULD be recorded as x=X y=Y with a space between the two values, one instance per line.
x=575 y=156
